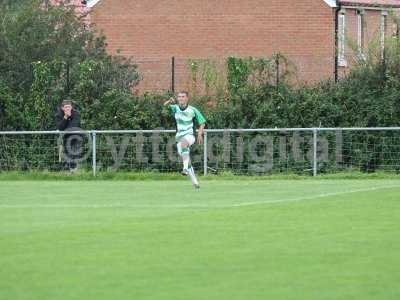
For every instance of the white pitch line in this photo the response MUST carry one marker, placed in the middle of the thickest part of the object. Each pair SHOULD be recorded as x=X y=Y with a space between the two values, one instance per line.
x=120 y=205
x=324 y=195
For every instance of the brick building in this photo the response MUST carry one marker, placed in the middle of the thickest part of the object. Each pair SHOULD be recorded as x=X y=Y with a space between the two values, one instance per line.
x=80 y=7
x=311 y=33
x=363 y=22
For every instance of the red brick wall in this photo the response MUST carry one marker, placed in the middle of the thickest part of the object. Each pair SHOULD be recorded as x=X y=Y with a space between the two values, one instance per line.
x=155 y=30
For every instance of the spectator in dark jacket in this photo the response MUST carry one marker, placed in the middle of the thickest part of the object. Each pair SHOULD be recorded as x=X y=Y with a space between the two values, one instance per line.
x=69 y=119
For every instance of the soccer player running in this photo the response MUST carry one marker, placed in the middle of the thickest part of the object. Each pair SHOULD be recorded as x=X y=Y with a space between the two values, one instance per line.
x=185 y=115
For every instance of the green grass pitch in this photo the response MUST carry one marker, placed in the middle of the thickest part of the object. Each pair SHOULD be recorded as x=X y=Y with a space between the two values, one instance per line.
x=233 y=239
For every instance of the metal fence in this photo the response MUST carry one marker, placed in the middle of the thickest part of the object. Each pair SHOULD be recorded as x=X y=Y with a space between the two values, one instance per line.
x=190 y=73
x=240 y=151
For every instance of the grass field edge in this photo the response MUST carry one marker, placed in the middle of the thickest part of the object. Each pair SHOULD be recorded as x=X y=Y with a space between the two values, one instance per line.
x=143 y=176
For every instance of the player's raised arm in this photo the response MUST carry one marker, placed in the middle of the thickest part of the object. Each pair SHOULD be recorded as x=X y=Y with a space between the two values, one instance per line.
x=169 y=101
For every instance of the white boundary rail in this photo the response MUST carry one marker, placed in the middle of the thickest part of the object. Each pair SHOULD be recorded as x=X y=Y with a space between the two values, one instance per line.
x=313 y=131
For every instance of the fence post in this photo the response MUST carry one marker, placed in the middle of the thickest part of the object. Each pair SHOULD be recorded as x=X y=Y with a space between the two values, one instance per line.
x=94 y=152
x=205 y=153
x=173 y=74
x=315 y=151
x=277 y=69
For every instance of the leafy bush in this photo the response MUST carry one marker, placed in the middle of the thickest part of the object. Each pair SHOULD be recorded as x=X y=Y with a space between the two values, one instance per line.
x=46 y=55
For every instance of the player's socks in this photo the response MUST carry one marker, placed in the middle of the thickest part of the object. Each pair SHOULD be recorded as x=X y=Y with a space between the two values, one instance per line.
x=185 y=158
x=193 y=177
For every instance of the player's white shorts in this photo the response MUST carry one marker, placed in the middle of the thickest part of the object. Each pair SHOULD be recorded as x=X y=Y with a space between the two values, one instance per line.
x=189 y=138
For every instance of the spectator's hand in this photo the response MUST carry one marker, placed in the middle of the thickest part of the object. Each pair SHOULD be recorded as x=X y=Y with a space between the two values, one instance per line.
x=67 y=111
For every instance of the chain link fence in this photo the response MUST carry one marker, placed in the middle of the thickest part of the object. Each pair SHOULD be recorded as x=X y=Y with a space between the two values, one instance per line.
x=240 y=151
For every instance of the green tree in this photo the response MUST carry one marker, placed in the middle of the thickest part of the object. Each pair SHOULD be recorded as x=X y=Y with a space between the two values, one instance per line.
x=46 y=54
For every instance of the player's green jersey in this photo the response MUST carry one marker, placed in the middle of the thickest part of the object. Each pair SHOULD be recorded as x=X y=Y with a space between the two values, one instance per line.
x=184 y=120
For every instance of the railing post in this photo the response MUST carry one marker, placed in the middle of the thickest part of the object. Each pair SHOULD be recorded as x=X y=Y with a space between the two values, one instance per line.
x=315 y=151
x=94 y=152
x=205 y=154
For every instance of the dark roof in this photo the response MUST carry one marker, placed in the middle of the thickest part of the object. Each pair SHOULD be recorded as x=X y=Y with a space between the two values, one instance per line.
x=376 y=3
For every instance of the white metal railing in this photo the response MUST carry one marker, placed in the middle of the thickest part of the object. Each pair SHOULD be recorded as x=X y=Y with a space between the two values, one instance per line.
x=315 y=137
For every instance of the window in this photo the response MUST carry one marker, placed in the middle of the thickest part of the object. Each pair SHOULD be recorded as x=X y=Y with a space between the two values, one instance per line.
x=395 y=31
x=360 y=33
x=341 y=39
x=383 y=32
